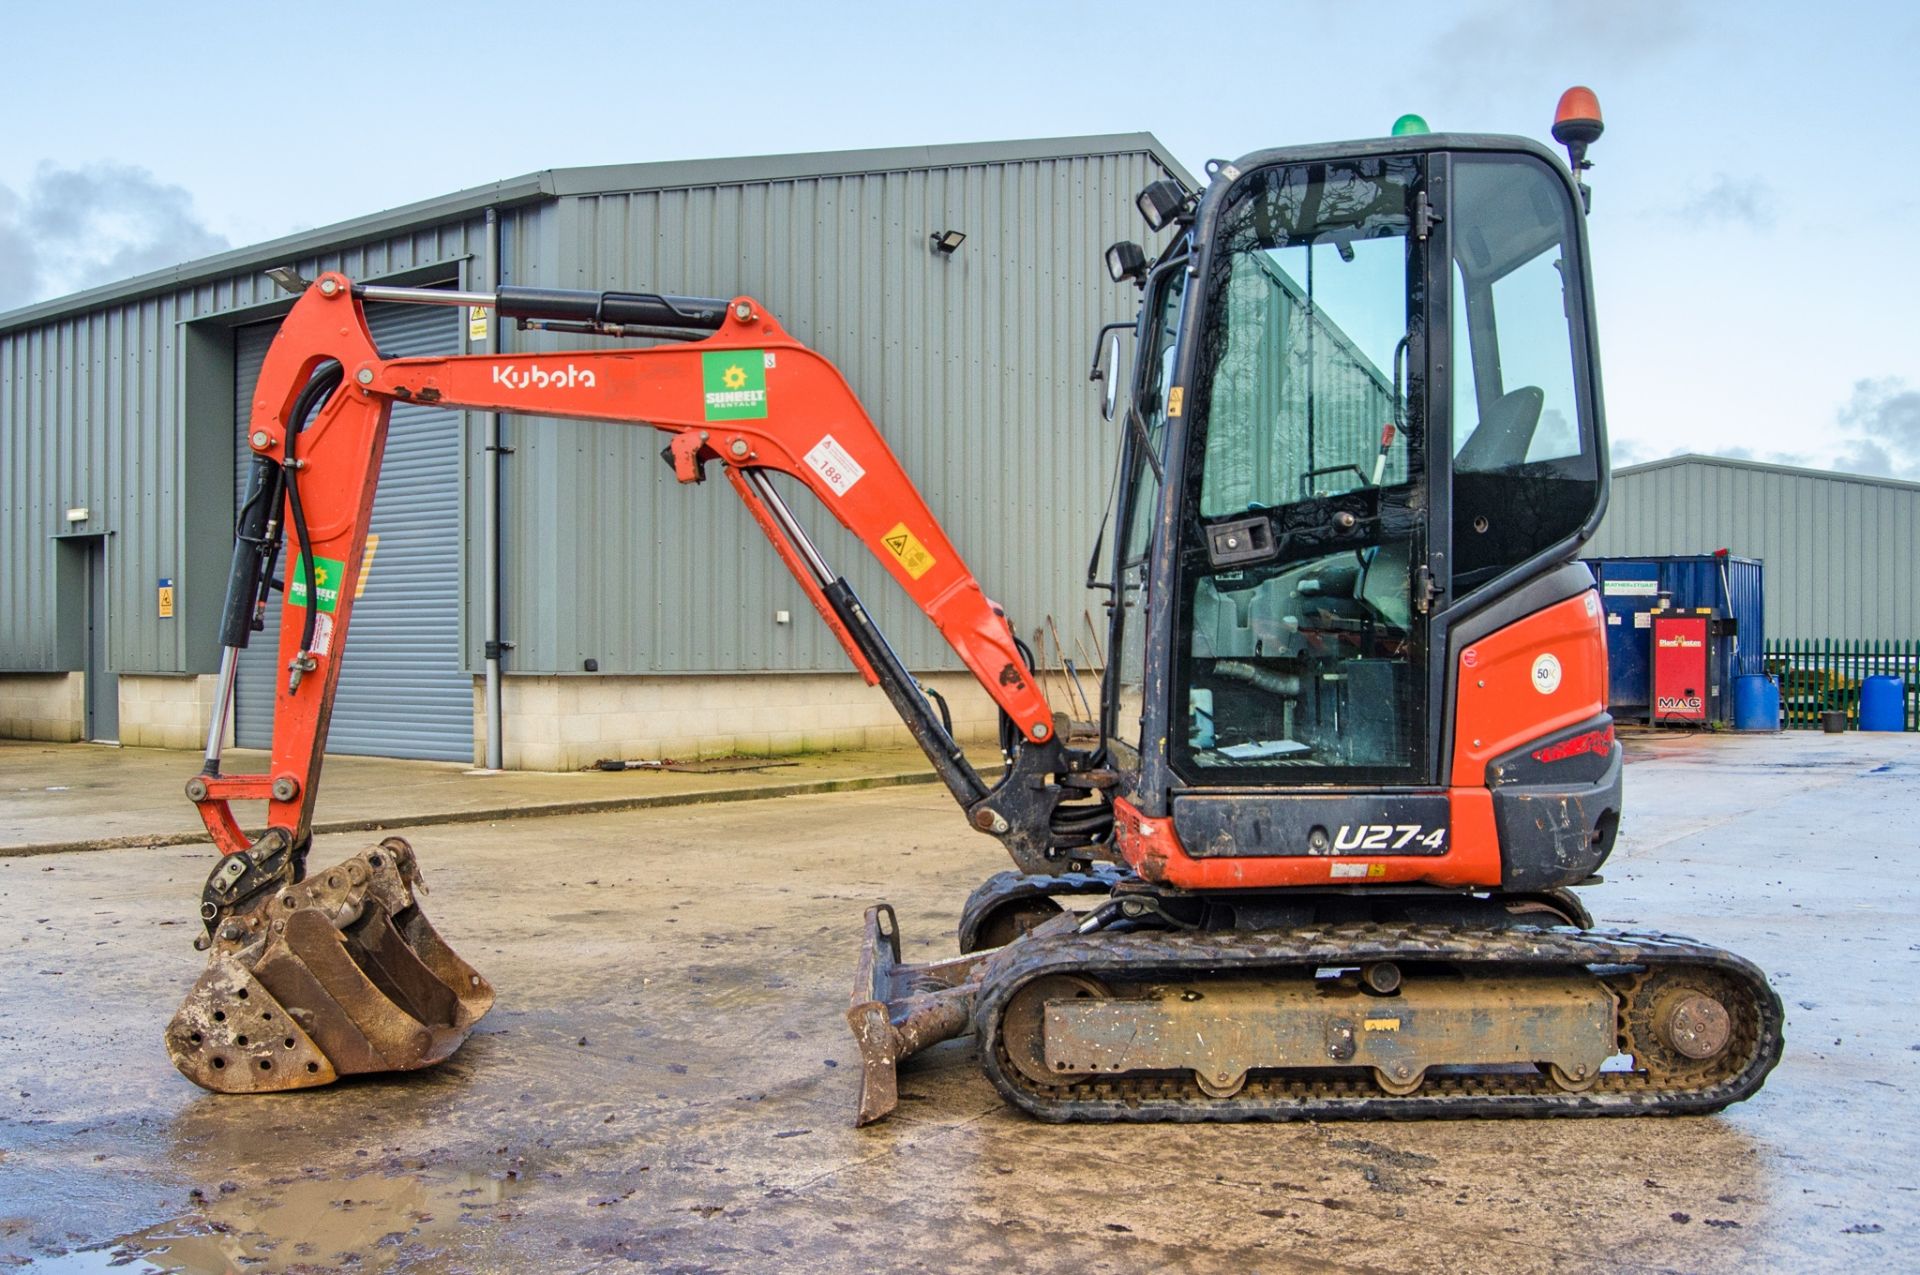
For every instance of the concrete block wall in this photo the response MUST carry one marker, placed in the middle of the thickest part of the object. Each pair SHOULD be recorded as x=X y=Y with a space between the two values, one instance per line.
x=50 y=706
x=567 y=723
x=167 y=710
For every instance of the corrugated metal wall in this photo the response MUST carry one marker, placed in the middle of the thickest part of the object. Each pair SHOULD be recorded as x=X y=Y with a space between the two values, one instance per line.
x=403 y=688
x=91 y=414
x=86 y=420
x=1842 y=554
x=973 y=366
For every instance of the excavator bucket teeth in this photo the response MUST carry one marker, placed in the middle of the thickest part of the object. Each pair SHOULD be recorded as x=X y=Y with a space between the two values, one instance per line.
x=338 y=975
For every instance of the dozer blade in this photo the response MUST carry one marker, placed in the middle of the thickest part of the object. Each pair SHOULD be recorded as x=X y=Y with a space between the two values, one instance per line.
x=337 y=975
x=899 y=1010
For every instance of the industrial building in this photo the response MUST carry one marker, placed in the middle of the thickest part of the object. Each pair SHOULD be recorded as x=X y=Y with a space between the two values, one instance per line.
x=1841 y=552
x=959 y=288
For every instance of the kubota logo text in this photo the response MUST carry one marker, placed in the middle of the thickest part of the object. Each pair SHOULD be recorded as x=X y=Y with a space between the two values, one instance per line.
x=535 y=377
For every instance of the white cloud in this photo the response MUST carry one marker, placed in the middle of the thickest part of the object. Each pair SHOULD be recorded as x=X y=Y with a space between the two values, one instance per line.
x=1729 y=200
x=72 y=228
x=1882 y=420
x=1501 y=40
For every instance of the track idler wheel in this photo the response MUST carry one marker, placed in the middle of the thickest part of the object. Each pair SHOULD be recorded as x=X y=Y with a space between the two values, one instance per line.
x=1023 y=1030
x=336 y=975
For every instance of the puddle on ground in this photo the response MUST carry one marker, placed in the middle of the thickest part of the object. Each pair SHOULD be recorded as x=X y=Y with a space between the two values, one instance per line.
x=366 y=1223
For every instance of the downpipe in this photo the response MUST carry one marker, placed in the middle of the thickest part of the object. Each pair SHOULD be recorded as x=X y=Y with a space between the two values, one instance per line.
x=490 y=530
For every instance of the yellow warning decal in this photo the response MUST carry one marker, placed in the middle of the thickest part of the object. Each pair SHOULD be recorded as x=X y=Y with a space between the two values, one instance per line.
x=905 y=547
x=1176 y=399
x=1381 y=1024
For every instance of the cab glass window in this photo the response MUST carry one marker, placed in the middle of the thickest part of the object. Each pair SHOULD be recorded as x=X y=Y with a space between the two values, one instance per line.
x=1142 y=506
x=1526 y=470
x=1301 y=643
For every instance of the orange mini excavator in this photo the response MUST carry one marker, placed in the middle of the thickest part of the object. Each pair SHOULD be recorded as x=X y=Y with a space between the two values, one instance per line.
x=1353 y=749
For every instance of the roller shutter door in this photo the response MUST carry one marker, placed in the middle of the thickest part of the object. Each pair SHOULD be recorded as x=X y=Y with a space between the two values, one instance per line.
x=402 y=690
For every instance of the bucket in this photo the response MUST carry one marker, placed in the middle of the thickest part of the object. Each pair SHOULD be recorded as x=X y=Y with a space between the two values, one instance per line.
x=1883 y=704
x=1834 y=721
x=1756 y=703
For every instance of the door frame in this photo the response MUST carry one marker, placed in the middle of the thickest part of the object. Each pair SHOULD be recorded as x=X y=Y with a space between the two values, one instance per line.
x=82 y=557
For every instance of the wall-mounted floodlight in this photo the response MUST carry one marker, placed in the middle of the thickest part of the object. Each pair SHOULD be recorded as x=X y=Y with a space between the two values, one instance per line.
x=947 y=242
x=287 y=279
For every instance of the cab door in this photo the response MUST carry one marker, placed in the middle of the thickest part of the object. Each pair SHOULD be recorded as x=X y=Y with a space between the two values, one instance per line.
x=1304 y=573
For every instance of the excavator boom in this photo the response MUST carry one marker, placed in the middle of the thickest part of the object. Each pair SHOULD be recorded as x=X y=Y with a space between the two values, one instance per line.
x=747 y=396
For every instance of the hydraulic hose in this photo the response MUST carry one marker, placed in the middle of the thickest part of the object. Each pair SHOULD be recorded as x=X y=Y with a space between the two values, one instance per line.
x=256 y=537
x=320 y=387
x=1010 y=733
x=939 y=702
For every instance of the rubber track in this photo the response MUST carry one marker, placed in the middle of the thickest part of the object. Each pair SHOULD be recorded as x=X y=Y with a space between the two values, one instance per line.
x=1006 y=887
x=1351 y=1094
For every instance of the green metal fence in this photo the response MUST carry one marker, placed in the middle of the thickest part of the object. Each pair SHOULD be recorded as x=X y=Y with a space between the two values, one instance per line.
x=1821 y=674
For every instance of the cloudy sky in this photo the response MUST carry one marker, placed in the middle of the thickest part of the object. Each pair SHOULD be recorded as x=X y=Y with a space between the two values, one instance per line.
x=1756 y=195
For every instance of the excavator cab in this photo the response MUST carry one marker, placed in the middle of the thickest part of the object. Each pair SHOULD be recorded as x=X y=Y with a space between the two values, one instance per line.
x=1366 y=408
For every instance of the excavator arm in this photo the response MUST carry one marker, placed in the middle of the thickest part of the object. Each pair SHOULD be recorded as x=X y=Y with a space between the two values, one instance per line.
x=746 y=395
x=309 y=979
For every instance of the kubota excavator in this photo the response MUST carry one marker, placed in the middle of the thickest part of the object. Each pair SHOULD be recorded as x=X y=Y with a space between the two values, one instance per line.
x=1353 y=750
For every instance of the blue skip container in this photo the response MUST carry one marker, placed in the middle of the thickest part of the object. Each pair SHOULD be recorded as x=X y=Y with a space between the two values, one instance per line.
x=1756 y=703
x=1883 y=704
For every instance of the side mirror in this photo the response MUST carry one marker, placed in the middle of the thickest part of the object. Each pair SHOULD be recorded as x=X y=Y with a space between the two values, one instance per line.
x=1106 y=368
x=1110 y=396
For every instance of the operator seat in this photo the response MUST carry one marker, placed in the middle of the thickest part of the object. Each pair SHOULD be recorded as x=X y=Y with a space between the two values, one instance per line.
x=1505 y=432
x=1386 y=583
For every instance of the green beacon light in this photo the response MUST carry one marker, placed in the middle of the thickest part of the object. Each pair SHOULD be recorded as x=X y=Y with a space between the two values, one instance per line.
x=1410 y=125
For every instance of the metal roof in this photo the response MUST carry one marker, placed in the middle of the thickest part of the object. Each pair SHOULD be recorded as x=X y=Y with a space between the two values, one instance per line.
x=553 y=183
x=1797 y=471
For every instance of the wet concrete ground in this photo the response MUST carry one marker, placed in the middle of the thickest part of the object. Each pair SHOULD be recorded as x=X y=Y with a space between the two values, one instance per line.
x=667 y=1083
x=57 y=797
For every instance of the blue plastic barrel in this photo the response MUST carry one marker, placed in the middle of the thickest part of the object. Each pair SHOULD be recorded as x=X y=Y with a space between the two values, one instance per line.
x=1883 y=704
x=1756 y=703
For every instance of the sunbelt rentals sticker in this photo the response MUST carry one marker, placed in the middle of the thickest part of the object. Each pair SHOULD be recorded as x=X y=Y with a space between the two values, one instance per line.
x=736 y=384
x=327 y=574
